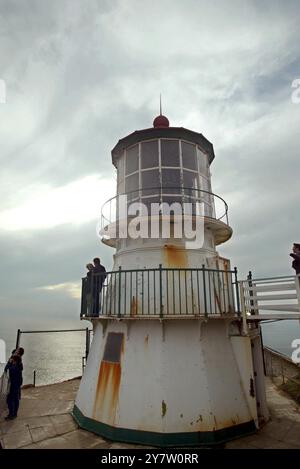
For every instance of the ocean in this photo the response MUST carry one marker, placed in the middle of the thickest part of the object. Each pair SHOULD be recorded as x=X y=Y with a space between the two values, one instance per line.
x=54 y=357
x=58 y=356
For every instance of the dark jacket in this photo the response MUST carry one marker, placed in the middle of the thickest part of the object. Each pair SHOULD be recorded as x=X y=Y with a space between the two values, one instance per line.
x=88 y=281
x=15 y=376
x=20 y=365
x=296 y=262
x=99 y=279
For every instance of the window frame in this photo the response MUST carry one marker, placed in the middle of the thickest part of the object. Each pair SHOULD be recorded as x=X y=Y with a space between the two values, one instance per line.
x=200 y=176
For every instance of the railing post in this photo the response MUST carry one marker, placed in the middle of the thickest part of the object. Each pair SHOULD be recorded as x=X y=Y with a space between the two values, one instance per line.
x=83 y=308
x=87 y=342
x=34 y=377
x=237 y=292
x=250 y=285
x=119 y=296
x=160 y=292
x=18 y=338
x=244 y=313
x=204 y=291
x=297 y=284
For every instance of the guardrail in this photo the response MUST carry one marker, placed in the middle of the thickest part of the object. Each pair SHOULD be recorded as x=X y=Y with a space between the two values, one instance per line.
x=87 y=331
x=202 y=203
x=270 y=294
x=160 y=292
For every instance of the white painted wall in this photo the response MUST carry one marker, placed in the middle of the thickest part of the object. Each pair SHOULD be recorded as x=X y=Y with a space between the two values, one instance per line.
x=188 y=365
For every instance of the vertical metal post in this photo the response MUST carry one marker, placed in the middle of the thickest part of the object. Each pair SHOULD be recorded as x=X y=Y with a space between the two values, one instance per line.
x=250 y=285
x=297 y=284
x=160 y=292
x=34 y=377
x=82 y=312
x=87 y=342
x=18 y=338
x=204 y=291
x=244 y=315
x=142 y=292
x=119 y=299
x=186 y=296
x=262 y=350
x=237 y=292
x=125 y=292
x=167 y=290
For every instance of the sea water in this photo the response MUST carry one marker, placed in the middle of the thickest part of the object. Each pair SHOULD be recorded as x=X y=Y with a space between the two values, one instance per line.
x=58 y=356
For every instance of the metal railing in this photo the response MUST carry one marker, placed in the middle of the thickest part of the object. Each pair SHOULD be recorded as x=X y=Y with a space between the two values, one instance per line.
x=202 y=203
x=160 y=292
x=36 y=372
x=270 y=294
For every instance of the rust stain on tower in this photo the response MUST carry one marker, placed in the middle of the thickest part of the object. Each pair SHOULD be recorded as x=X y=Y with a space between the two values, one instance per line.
x=175 y=257
x=108 y=384
x=107 y=393
x=133 y=307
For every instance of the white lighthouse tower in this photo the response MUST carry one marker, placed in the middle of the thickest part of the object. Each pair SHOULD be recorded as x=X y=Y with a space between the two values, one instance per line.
x=170 y=362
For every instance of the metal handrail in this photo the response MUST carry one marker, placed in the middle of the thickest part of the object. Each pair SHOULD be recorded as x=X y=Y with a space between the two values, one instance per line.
x=267 y=294
x=271 y=279
x=160 y=292
x=163 y=191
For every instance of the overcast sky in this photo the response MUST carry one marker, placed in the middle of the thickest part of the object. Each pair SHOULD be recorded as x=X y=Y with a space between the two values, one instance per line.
x=82 y=74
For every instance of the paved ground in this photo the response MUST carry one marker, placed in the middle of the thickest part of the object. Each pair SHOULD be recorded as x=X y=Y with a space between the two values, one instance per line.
x=44 y=421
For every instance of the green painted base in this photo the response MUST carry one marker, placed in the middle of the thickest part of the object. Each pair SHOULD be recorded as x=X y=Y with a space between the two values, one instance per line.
x=163 y=439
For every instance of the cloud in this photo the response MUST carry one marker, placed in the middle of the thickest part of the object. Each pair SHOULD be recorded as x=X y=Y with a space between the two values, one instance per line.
x=80 y=76
x=72 y=289
x=77 y=202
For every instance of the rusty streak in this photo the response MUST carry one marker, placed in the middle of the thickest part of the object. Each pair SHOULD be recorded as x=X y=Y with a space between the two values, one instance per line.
x=175 y=257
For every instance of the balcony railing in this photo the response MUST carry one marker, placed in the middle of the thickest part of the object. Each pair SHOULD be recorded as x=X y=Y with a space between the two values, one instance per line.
x=160 y=292
x=275 y=294
x=201 y=203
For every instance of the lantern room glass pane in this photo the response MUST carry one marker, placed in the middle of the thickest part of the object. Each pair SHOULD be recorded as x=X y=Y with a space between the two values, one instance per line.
x=149 y=154
x=170 y=153
x=189 y=158
x=150 y=182
x=120 y=169
x=171 y=181
x=190 y=183
x=203 y=163
x=132 y=159
x=132 y=184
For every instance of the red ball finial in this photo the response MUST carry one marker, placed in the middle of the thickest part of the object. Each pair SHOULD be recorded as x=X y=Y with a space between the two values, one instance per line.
x=161 y=121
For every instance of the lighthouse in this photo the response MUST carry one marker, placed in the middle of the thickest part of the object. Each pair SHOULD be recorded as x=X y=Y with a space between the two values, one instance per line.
x=172 y=361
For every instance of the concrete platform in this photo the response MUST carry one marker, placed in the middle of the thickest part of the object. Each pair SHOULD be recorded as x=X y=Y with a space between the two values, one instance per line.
x=44 y=421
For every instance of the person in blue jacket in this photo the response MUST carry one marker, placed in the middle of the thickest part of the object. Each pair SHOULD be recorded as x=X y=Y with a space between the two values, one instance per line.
x=14 y=368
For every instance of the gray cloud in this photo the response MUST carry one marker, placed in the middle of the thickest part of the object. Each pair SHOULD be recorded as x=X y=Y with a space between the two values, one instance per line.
x=82 y=75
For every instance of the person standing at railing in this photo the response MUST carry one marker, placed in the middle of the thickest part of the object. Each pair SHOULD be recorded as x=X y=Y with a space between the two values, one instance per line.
x=19 y=352
x=88 y=289
x=15 y=378
x=296 y=256
x=98 y=281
